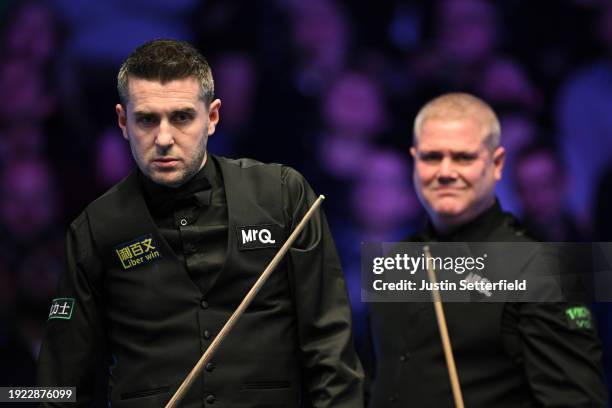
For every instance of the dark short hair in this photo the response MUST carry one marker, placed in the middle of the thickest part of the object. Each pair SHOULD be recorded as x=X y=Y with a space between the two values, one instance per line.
x=166 y=60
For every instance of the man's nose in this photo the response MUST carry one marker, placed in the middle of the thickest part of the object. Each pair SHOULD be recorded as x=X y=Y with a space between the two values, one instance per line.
x=164 y=138
x=446 y=171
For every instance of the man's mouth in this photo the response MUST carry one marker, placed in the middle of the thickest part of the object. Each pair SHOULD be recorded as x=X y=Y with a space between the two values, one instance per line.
x=165 y=162
x=447 y=190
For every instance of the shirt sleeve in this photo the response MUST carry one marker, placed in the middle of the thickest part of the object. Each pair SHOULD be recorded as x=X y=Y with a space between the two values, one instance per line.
x=562 y=355
x=332 y=372
x=73 y=348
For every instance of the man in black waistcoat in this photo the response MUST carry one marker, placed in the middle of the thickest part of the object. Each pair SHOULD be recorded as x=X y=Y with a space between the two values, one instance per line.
x=507 y=354
x=156 y=266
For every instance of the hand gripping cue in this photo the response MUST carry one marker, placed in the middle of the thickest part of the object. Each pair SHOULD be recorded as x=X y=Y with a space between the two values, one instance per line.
x=182 y=390
x=446 y=344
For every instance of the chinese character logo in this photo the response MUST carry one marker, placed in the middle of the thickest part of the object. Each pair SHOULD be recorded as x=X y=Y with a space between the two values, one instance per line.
x=138 y=252
x=61 y=308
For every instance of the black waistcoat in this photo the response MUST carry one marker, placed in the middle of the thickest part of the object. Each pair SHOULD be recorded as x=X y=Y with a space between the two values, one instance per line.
x=158 y=321
x=411 y=369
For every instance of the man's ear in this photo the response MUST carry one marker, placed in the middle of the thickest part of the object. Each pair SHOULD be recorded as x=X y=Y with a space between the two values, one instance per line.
x=122 y=120
x=499 y=159
x=413 y=152
x=213 y=115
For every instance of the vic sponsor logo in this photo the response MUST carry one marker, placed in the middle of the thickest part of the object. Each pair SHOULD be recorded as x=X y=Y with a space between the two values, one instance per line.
x=263 y=236
x=579 y=317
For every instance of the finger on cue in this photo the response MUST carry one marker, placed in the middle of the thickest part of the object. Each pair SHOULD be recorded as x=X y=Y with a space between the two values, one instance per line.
x=180 y=392
x=446 y=344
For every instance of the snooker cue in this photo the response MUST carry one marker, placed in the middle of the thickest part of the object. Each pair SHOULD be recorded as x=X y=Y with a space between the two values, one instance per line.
x=446 y=344
x=184 y=387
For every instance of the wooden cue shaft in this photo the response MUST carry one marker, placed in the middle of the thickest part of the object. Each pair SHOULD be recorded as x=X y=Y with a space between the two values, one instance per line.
x=180 y=392
x=446 y=344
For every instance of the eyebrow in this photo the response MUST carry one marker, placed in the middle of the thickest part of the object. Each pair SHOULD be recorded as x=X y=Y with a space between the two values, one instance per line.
x=188 y=110
x=452 y=152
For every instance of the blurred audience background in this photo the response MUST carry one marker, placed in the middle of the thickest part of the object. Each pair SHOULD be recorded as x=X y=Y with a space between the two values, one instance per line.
x=330 y=87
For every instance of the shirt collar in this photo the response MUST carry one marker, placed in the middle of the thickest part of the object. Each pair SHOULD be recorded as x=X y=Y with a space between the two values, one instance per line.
x=477 y=229
x=197 y=190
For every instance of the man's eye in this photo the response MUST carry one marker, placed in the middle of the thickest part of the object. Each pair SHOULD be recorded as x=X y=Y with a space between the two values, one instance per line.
x=147 y=120
x=181 y=117
x=464 y=158
x=431 y=157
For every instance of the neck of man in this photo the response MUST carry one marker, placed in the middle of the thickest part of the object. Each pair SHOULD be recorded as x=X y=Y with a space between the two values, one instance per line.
x=204 y=160
x=446 y=225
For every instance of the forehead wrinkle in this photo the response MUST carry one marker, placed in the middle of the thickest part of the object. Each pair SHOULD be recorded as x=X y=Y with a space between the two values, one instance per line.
x=162 y=98
x=161 y=107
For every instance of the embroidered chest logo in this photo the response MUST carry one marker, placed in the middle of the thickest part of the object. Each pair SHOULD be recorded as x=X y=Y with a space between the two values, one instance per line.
x=140 y=251
x=61 y=308
x=579 y=317
x=259 y=236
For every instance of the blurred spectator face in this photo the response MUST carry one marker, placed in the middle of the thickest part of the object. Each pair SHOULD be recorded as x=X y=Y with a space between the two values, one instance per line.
x=541 y=183
x=505 y=82
x=320 y=33
x=382 y=196
x=29 y=203
x=354 y=107
x=113 y=160
x=455 y=171
x=519 y=131
x=21 y=140
x=22 y=93
x=32 y=33
x=235 y=80
x=342 y=157
x=466 y=29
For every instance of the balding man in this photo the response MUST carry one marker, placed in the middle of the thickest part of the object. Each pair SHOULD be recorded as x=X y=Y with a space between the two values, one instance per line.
x=507 y=354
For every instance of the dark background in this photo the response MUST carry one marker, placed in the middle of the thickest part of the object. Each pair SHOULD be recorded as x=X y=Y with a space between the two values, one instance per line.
x=329 y=87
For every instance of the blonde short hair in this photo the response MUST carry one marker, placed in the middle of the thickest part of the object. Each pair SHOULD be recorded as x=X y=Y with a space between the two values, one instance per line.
x=459 y=105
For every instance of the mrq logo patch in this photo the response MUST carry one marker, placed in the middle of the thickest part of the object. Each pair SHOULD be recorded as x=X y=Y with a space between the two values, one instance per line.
x=259 y=236
x=138 y=252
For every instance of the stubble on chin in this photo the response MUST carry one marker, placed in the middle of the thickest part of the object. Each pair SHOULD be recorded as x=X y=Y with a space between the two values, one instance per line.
x=168 y=179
